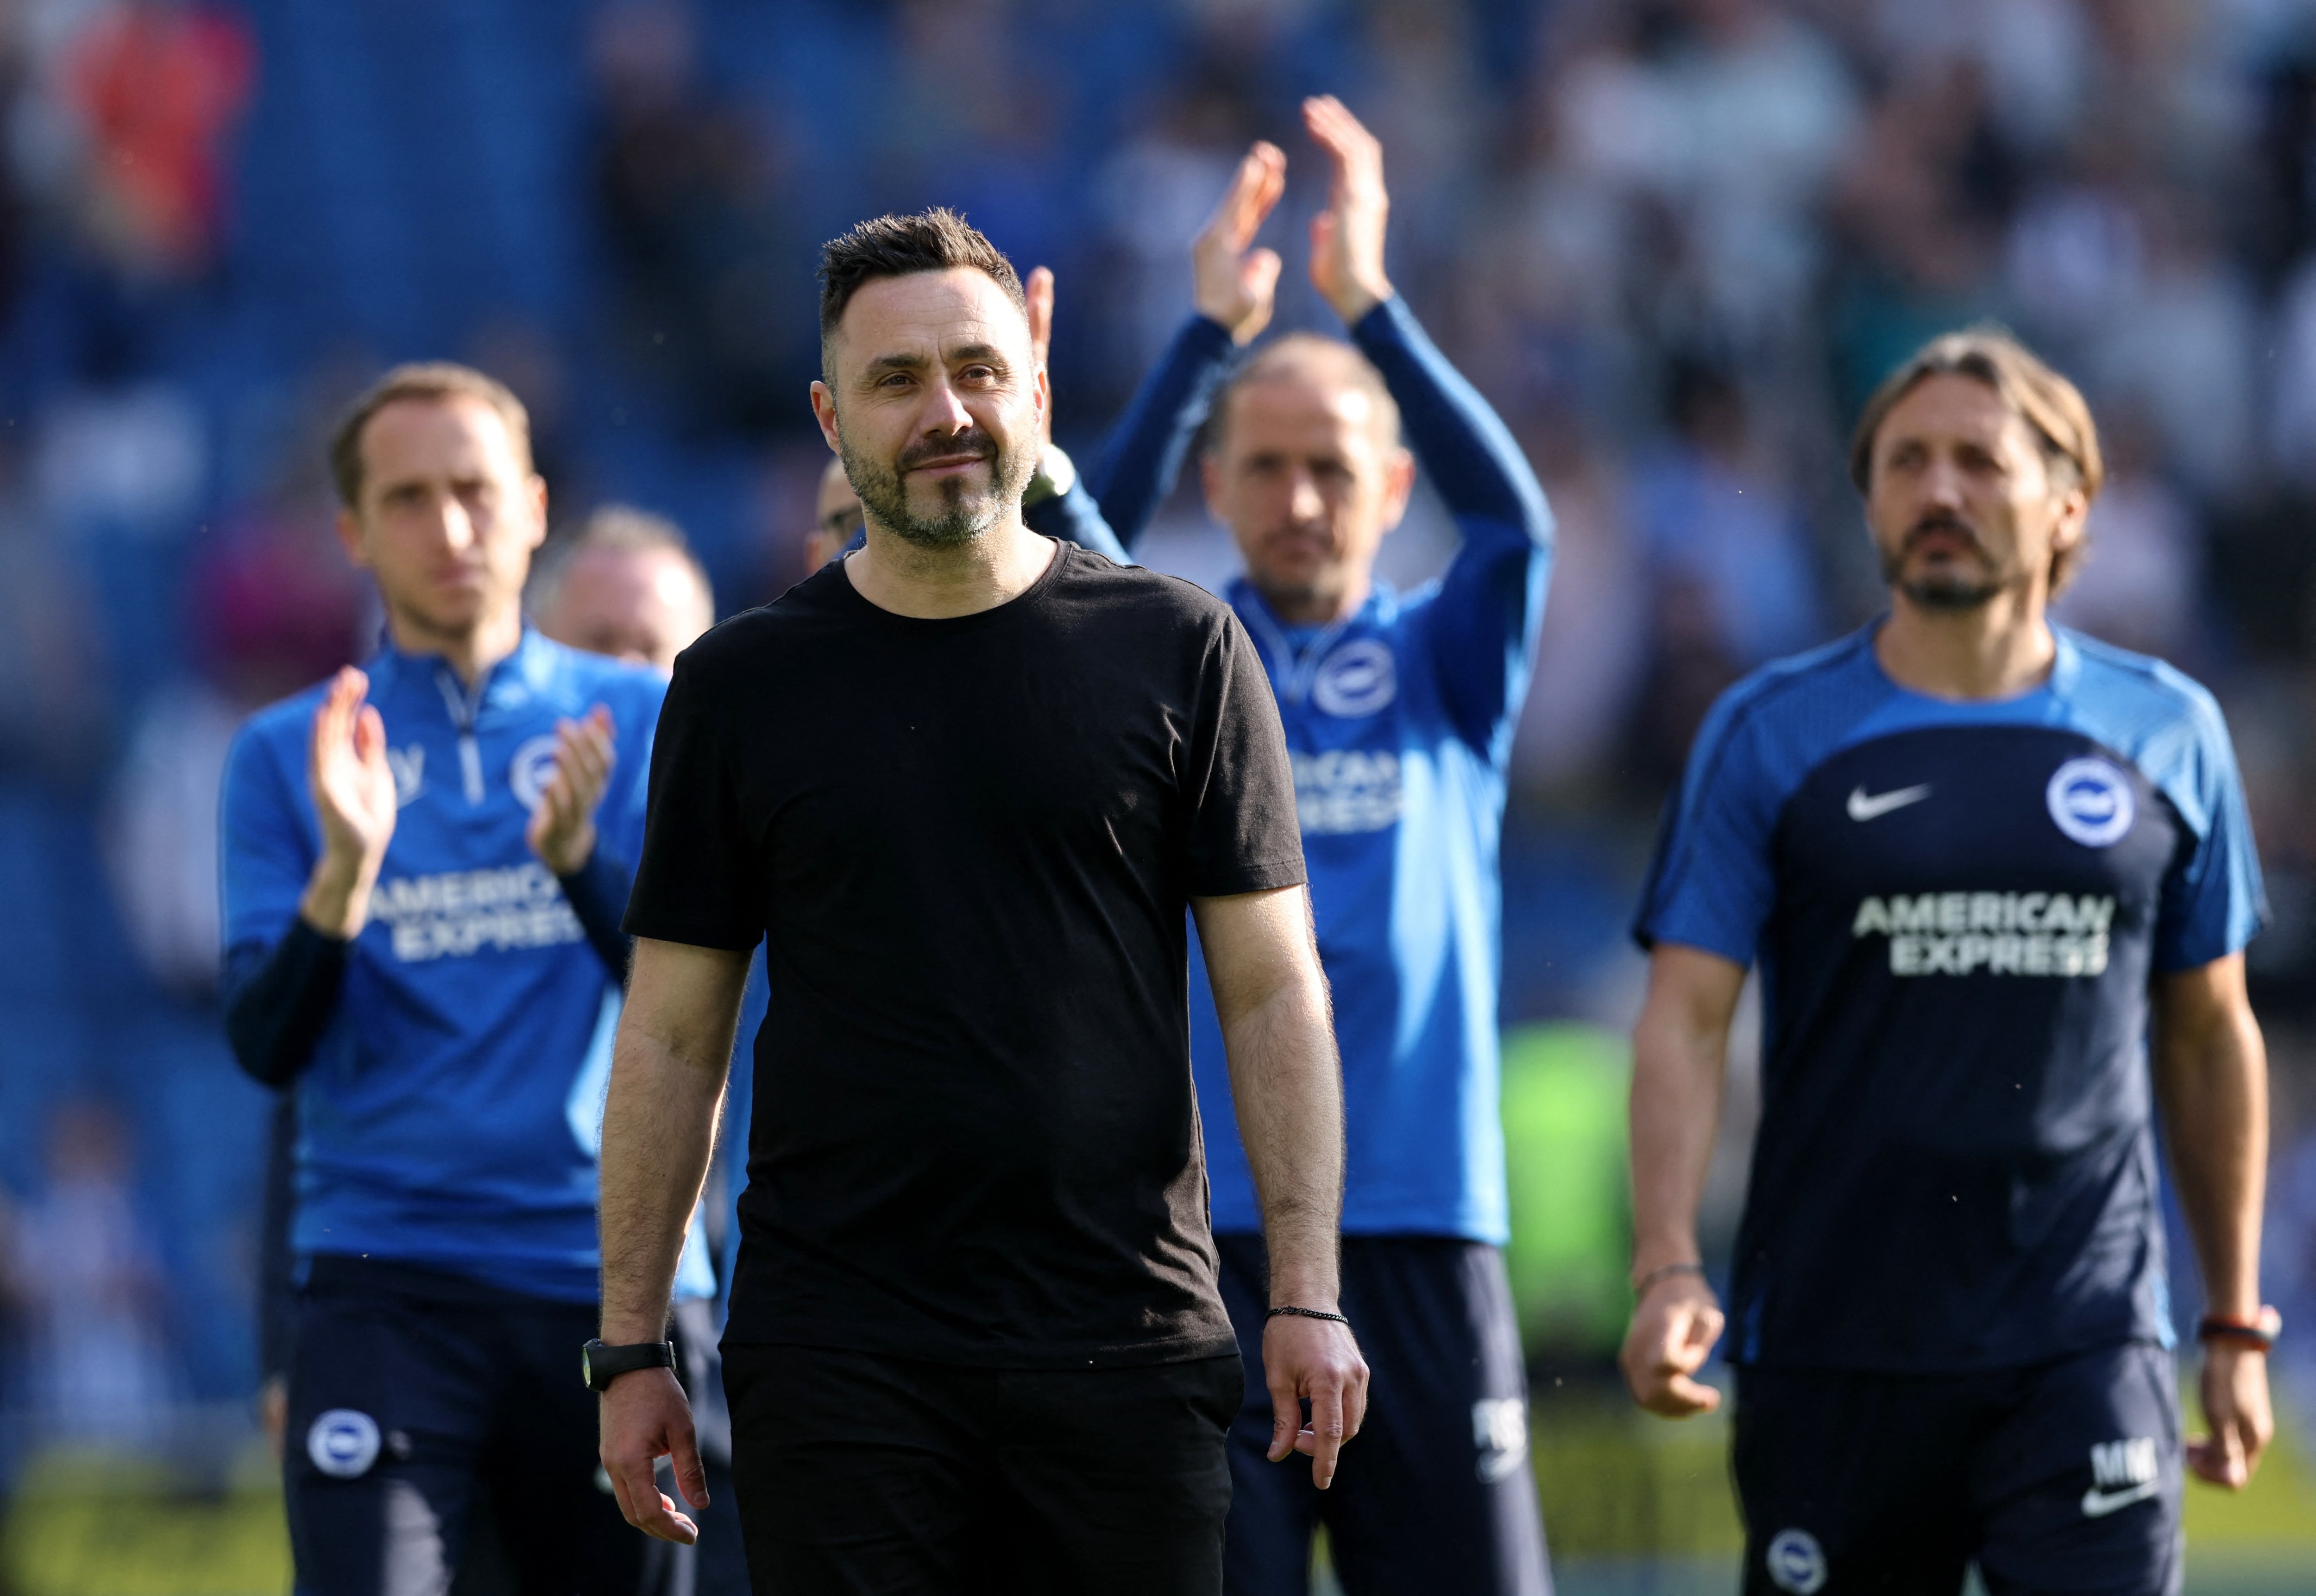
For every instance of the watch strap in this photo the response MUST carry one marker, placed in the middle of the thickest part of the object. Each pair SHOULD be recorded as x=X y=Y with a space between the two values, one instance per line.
x=600 y=1365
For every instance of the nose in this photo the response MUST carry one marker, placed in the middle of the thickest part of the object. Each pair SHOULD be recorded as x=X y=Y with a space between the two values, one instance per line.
x=1942 y=484
x=944 y=412
x=1303 y=501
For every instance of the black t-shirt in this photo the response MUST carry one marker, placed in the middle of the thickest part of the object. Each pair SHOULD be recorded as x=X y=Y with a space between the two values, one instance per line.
x=969 y=844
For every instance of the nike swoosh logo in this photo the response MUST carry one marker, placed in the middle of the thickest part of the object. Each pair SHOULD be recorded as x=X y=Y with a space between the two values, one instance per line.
x=2098 y=1503
x=1862 y=807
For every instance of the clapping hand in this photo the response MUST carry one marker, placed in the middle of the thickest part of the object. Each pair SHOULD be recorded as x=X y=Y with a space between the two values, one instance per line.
x=1232 y=282
x=1347 y=237
x=562 y=830
x=353 y=788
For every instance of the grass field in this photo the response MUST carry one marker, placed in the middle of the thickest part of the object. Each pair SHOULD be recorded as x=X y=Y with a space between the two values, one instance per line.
x=1633 y=1508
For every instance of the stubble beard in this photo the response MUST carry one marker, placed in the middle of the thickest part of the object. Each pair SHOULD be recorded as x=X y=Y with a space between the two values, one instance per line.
x=1950 y=588
x=963 y=516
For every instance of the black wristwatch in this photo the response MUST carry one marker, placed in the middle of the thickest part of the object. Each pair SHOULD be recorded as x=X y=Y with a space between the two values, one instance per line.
x=600 y=1365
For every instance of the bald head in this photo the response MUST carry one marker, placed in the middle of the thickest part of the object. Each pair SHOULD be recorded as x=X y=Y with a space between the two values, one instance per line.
x=1337 y=374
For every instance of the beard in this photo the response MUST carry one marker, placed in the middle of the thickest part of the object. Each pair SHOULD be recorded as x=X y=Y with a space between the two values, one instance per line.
x=1949 y=586
x=962 y=514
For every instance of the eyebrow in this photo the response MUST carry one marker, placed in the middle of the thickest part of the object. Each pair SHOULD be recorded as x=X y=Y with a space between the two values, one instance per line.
x=910 y=360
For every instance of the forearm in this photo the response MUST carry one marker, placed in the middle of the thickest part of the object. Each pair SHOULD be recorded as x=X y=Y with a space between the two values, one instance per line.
x=1144 y=454
x=1676 y=1115
x=1287 y=1082
x=597 y=892
x=279 y=999
x=659 y=1129
x=2213 y=1082
x=1473 y=461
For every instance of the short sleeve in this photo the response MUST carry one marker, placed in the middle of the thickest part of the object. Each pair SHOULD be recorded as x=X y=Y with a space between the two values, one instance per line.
x=265 y=847
x=626 y=809
x=1712 y=883
x=696 y=877
x=1242 y=833
x=2214 y=901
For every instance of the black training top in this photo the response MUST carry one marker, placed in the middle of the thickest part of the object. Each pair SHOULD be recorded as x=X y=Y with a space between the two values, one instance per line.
x=969 y=844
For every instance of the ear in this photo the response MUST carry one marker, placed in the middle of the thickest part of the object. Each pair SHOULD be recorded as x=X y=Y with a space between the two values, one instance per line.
x=1398 y=487
x=538 y=488
x=350 y=538
x=1210 y=479
x=823 y=410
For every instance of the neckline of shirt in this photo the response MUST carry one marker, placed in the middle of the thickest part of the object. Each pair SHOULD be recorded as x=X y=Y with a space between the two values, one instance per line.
x=2066 y=664
x=854 y=597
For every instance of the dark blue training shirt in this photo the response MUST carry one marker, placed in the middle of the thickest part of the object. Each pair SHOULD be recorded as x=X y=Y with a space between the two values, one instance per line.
x=1399 y=718
x=1957 y=909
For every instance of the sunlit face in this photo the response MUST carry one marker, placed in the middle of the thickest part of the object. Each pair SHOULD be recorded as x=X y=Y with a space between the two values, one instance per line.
x=642 y=605
x=1963 y=503
x=933 y=401
x=448 y=517
x=1308 y=478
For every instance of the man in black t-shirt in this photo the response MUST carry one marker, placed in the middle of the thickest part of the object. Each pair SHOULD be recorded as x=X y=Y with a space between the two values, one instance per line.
x=975 y=1340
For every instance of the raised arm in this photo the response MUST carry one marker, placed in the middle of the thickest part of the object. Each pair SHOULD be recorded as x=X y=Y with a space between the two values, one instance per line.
x=1679 y=1047
x=2211 y=1078
x=668 y=1068
x=1233 y=289
x=1482 y=626
x=1271 y=997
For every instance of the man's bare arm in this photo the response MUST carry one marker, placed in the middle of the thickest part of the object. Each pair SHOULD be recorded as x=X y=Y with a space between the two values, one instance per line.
x=2211 y=1079
x=1287 y=1081
x=1681 y=1047
x=659 y=1126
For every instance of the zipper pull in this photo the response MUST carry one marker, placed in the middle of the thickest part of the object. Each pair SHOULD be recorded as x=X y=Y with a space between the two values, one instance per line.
x=470 y=763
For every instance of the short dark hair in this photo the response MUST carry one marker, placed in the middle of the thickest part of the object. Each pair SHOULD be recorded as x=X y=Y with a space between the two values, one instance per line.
x=935 y=240
x=2052 y=408
x=621 y=529
x=420 y=380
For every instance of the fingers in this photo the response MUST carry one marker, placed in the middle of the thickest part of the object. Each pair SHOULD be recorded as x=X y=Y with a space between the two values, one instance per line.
x=1327 y=1434
x=370 y=737
x=334 y=716
x=1344 y=137
x=636 y=1485
x=1286 y=1412
x=1040 y=290
x=690 y=1475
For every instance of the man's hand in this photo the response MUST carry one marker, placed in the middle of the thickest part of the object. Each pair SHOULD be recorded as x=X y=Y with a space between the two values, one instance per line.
x=1674 y=1327
x=562 y=830
x=1315 y=1359
x=1039 y=291
x=2236 y=1406
x=354 y=800
x=644 y=1417
x=1347 y=237
x=1230 y=282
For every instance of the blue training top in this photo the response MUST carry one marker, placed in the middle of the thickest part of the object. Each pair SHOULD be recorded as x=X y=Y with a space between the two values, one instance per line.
x=1399 y=718
x=1957 y=908
x=451 y=1110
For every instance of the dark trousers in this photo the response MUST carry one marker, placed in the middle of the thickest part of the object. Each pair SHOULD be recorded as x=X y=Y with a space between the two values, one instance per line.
x=414 y=1395
x=2061 y=1477
x=859 y=1472
x=1435 y=1495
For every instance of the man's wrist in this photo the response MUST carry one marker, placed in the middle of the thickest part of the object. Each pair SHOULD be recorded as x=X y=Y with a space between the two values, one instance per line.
x=573 y=859
x=1360 y=298
x=336 y=899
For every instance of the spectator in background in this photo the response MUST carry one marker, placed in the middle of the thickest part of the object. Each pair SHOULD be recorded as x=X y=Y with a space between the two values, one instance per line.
x=685 y=191
x=158 y=84
x=87 y=1281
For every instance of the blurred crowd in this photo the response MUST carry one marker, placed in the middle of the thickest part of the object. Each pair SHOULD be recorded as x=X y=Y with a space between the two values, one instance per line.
x=1674 y=241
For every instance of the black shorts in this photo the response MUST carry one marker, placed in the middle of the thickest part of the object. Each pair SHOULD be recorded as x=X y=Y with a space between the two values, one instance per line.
x=1435 y=1492
x=857 y=1472
x=412 y=1395
x=2061 y=1477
